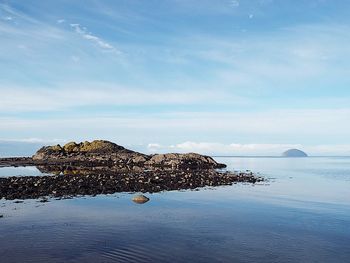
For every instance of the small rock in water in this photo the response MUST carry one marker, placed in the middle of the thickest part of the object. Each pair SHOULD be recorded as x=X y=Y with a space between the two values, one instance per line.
x=140 y=199
x=1 y=216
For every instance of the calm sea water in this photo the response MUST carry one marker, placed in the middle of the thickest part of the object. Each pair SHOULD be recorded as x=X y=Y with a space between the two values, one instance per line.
x=301 y=215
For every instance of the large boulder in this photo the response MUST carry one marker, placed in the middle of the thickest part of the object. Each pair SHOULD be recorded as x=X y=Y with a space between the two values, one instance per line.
x=187 y=160
x=98 y=147
x=48 y=152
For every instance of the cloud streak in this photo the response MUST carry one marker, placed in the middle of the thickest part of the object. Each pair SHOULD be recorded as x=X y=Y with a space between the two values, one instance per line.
x=96 y=40
x=19 y=99
x=307 y=126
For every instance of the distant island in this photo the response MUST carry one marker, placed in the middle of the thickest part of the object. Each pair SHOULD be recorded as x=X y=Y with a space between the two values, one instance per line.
x=294 y=153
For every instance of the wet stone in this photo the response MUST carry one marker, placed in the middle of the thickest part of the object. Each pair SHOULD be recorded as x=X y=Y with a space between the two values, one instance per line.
x=140 y=199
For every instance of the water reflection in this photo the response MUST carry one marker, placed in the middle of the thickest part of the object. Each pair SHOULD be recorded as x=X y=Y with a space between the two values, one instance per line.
x=303 y=216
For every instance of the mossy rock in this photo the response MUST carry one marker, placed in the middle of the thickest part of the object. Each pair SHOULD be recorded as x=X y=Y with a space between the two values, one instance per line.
x=55 y=148
x=100 y=146
x=71 y=147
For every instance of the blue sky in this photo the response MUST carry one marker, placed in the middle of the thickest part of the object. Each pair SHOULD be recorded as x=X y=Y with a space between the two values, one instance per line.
x=217 y=77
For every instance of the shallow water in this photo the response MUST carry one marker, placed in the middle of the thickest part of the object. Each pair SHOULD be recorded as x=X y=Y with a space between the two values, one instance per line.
x=19 y=171
x=301 y=215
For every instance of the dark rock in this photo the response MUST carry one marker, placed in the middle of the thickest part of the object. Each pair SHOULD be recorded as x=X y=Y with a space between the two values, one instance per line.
x=78 y=181
x=107 y=153
x=189 y=160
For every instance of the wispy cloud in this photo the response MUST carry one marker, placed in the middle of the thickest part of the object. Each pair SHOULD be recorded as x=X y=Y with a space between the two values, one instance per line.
x=200 y=80
x=275 y=127
x=32 y=140
x=89 y=36
x=234 y=3
x=19 y=99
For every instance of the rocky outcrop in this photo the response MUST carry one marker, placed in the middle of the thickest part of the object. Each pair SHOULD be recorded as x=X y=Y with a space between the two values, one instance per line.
x=73 y=149
x=106 y=153
x=188 y=160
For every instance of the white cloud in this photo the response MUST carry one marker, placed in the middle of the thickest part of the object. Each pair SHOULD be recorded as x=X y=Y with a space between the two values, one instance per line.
x=75 y=58
x=8 y=18
x=234 y=3
x=90 y=94
x=297 y=128
x=154 y=147
x=60 y=21
x=33 y=140
x=236 y=149
x=289 y=58
x=89 y=36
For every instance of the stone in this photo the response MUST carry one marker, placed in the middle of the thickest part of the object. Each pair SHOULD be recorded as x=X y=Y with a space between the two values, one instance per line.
x=71 y=147
x=140 y=199
x=188 y=160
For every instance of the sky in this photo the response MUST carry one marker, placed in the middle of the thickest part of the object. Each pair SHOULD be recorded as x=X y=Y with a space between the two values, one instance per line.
x=224 y=77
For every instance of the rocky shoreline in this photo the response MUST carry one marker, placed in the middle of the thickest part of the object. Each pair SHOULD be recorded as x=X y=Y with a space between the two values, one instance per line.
x=92 y=182
x=102 y=167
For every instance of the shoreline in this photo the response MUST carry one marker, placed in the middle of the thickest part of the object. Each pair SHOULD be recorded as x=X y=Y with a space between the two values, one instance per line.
x=69 y=180
x=103 y=167
x=82 y=181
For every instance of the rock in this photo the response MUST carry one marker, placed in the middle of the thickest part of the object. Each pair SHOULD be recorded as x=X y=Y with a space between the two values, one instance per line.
x=44 y=200
x=140 y=199
x=188 y=160
x=48 y=151
x=105 y=153
x=1 y=216
x=71 y=147
x=79 y=181
x=101 y=146
x=96 y=151
x=294 y=153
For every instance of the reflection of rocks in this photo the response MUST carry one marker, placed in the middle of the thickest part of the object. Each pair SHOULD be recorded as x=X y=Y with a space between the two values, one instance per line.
x=140 y=199
x=107 y=181
x=16 y=161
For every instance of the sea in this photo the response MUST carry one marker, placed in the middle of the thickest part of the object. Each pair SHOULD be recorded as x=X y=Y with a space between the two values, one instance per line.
x=301 y=213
